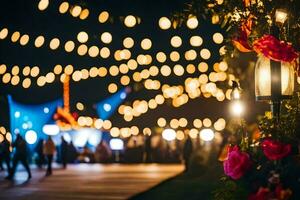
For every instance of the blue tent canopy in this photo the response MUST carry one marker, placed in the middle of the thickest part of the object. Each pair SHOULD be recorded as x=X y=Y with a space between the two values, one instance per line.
x=30 y=119
x=107 y=107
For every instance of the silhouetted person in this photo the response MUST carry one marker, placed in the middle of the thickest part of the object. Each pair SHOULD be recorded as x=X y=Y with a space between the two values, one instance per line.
x=49 y=150
x=103 y=153
x=64 y=152
x=72 y=153
x=20 y=154
x=187 y=152
x=40 y=155
x=148 y=149
x=5 y=154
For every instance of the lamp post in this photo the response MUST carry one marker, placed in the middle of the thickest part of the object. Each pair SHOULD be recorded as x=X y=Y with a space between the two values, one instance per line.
x=274 y=80
x=237 y=107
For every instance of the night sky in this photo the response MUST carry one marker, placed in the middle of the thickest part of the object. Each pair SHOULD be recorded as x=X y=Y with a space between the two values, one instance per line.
x=24 y=16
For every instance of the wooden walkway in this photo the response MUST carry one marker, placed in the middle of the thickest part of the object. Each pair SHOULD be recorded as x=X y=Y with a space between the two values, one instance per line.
x=83 y=181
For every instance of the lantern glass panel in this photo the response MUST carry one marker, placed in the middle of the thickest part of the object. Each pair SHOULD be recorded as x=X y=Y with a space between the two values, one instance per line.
x=287 y=79
x=262 y=77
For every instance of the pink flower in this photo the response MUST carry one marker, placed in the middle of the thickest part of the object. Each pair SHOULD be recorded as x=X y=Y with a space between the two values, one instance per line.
x=275 y=150
x=237 y=163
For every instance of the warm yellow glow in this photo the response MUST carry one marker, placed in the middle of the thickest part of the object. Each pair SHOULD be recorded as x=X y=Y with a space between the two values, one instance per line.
x=41 y=81
x=223 y=66
x=103 y=16
x=84 y=14
x=237 y=108
x=281 y=16
x=128 y=42
x=165 y=70
x=174 y=56
x=193 y=133
x=218 y=38
x=82 y=50
x=24 y=39
x=64 y=7
x=197 y=123
x=130 y=21
x=102 y=71
x=3 y=33
x=203 y=67
x=176 y=41
x=183 y=122
x=6 y=78
x=57 y=69
x=82 y=37
x=26 y=83
x=93 y=72
x=263 y=77
x=15 y=70
x=174 y=123
x=35 y=71
x=85 y=74
x=39 y=41
x=15 y=80
x=98 y=123
x=107 y=124
x=179 y=135
x=50 y=77
x=93 y=51
x=79 y=106
x=161 y=57
x=112 y=88
x=26 y=71
x=196 y=41
x=69 y=46
x=215 y=19
x=105 y=52
x=43 y=4
x=75 y=11
x=106 y=37
x=207 y=122
x=54 y=43
x=152 y=104
x=192 y=22
x=190 y=54
x=220 y=124
x=76 y=76
x=125 y=80
x=2 y=69
x=287 y=78
x=114 y=70
x=178 y=70
x=159 y=99
x=15 y=36
x=147 y=131
x=190 y=68
x=205 y=54
x=115 y=132
x=69 y=69
x=146 y=44
x=123 y=68
x=164 y=23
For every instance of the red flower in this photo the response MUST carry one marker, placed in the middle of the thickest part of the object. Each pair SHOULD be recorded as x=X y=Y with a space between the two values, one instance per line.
x=274 y=49
x=275 y=150
x=262 y=194
x=265 y=194
x=237 y=163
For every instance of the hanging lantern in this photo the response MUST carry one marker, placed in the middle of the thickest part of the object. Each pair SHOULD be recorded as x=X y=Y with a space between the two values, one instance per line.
x=281 y=16
x=236 y=91
x=274 y=81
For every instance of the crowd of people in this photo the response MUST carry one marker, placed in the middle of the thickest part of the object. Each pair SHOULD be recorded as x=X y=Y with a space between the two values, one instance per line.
x=138 y=149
